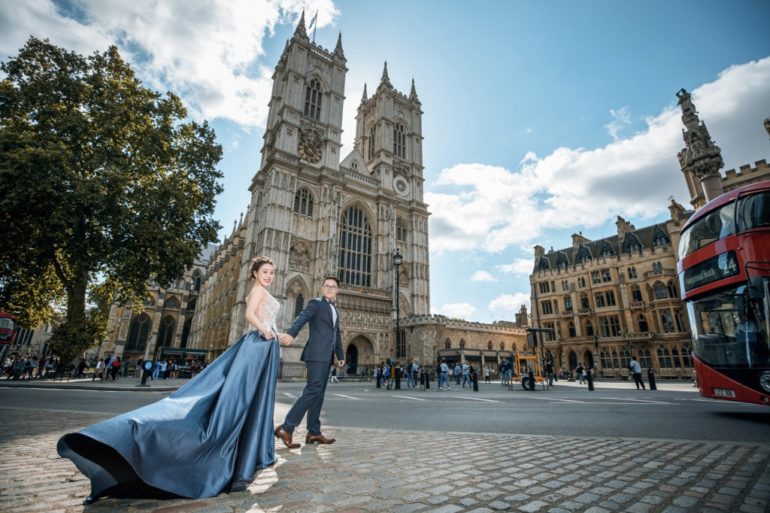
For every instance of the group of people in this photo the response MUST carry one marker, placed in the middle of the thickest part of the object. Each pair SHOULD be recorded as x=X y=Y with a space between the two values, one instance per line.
x=19 y=366
x=462 y=373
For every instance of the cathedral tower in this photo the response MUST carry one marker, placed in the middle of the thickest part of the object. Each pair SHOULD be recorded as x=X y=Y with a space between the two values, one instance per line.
x=317 y=214
x=293 y=192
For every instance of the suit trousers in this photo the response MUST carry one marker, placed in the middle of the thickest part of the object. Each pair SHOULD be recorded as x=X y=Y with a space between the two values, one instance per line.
x=311 y=400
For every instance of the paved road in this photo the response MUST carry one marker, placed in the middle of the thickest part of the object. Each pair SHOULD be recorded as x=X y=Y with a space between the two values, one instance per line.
x=421 y=470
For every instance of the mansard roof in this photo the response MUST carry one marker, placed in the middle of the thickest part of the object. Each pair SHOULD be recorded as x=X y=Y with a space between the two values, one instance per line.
x=645 y=237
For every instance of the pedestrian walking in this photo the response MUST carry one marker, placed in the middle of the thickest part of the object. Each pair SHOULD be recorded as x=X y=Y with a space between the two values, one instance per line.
x=636 y=370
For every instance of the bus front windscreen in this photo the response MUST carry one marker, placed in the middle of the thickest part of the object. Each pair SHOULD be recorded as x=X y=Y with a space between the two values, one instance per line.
x=730 y=330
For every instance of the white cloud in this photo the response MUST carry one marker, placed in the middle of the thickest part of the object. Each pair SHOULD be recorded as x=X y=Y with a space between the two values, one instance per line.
x=509 y=303
x=493 y=208
x=620 y=119
x=531 y=156
x=519 y=267
x=482 y=276
x=207 y=52
x=456 y=310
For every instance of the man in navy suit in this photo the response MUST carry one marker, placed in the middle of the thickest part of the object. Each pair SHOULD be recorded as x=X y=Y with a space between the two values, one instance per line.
x=323 y=344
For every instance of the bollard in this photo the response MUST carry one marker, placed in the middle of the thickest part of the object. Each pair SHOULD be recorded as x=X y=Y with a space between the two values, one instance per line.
x=590 y=377
x=427 y=380
x=379 y=379
x=651 y=379
x=397 y=372
x=475 y=380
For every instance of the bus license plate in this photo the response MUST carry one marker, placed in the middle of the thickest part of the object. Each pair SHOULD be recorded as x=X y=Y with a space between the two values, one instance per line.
x=724 y=392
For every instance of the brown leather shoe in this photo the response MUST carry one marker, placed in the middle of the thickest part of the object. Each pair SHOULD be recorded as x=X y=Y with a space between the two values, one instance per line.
x=285 y=437
x=318 y=439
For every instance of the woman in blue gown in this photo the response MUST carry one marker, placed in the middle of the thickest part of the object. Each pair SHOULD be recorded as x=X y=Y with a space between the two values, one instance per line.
x=211 y=435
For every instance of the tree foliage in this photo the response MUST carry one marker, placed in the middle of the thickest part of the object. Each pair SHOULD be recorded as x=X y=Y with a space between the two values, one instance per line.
x=102 y=182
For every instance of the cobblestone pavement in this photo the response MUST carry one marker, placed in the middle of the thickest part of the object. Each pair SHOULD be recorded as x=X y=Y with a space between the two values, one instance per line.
x=370 y=470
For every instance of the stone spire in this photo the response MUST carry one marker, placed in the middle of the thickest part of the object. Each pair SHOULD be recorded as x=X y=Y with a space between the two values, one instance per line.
x=338 y=49
x=413 y=93
x=364 y=97
x=385 y=80
x=700 y=155
x=300 y=32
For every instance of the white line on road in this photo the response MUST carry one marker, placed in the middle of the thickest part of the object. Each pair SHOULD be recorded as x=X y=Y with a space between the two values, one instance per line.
x=567 y=401
x=347 y=396
x=643 y=401
x=287 y=394
x=412 y=398
x=475 y=399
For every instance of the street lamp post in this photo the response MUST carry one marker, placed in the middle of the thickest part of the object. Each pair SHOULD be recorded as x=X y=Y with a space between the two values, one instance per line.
x=397 y=260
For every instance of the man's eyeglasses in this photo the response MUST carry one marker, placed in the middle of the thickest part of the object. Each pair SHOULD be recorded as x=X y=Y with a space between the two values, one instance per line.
x=332 y=287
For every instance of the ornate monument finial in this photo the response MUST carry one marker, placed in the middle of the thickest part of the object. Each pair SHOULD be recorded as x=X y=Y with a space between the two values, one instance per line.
x=700 y=155
x=767 y=125
x=364 y=97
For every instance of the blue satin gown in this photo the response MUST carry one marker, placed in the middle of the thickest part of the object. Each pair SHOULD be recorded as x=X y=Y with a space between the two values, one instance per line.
x=215 y=430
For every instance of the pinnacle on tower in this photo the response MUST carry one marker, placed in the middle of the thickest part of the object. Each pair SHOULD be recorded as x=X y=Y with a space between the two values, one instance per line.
x=413 y=93
x=300 y=31
x=338 y=49
x=364 y=97
x=385 y=80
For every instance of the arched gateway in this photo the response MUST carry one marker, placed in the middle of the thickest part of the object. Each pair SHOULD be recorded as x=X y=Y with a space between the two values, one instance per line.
x=359 y=356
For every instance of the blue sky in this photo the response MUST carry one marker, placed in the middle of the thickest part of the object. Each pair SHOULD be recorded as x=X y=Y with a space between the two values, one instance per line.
x=541 y=118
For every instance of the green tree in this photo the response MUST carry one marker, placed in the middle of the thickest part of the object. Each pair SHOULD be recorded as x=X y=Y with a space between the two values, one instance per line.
x=104 y=185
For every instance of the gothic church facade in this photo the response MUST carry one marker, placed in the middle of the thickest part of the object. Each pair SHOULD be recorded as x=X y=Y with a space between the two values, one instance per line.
x=317 y=214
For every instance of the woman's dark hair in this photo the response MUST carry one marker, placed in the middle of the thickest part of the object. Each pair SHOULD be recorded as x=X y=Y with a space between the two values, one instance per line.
x=258 y=262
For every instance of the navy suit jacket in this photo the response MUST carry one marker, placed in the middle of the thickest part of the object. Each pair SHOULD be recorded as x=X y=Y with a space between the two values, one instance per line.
x=325 y=340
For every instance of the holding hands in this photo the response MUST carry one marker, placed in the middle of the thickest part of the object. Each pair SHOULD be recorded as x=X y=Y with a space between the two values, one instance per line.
x=285 y=339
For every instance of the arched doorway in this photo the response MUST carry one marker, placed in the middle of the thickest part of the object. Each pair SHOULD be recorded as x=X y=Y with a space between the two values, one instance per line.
x=359 y=356
x=351 y=359
x=572 y=360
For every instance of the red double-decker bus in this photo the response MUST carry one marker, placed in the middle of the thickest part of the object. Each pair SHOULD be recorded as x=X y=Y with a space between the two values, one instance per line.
x=724 y=272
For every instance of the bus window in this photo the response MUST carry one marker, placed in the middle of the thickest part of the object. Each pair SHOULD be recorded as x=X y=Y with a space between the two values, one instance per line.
x=754 y=211
x=712 y=227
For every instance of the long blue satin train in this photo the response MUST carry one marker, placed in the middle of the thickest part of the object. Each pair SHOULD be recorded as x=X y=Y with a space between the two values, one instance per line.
x=215 y=430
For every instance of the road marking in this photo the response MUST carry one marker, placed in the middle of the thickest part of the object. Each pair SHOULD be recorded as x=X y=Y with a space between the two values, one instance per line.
x=475 y=399
x=412 y=398
x=287 y=394
x=642 y=401
x=567 y=401
x=347 y=396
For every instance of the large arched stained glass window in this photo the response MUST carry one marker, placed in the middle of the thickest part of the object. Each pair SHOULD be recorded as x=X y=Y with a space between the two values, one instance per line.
x=166 y=332
x=138 y=332
x=355 y=248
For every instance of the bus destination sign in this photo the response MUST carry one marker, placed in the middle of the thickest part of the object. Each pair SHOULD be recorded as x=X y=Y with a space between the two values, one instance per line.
x=713 y=269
